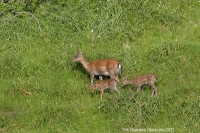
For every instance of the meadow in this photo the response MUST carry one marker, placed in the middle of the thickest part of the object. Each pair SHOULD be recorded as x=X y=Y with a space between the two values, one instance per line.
x=42 y=90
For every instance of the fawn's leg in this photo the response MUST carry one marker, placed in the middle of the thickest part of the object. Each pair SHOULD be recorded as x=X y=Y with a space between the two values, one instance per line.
x=101 y=94
x=100 y=77
x=154 y=89
x=91 y=79
x=116 y=77
x=138 y=89
x=117 y=90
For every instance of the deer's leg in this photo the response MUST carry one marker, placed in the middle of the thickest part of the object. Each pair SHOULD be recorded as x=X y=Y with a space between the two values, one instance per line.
x=154 y=89
x=117 y=90
x=101 y=94
x=138 y=89
x=116 y=77
x=91 y=79
x=112 y=76
x=114 y=86
x=100 y=77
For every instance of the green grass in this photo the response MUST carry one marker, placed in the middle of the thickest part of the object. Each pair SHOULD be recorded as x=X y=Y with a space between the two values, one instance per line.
x=42 y=90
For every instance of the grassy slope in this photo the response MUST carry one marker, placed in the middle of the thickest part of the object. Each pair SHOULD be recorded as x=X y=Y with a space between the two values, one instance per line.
x=148 y=37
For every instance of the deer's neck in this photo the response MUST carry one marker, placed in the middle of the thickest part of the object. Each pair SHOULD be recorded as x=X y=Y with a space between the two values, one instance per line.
x=85 y=64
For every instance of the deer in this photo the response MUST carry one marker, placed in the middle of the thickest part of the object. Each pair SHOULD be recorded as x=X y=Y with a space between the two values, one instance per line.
x=105 y=84
x=142 y=80
x=101 y=67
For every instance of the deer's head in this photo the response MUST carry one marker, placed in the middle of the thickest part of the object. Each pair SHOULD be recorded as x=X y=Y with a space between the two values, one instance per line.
x=78 y=57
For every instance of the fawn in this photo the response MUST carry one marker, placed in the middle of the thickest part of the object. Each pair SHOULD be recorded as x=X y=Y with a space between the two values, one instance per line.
x=105 y=84
x=142 y=80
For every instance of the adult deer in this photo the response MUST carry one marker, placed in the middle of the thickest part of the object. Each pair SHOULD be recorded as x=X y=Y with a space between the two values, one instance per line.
x=142 y=80
x=102 y=67
x=105 y=84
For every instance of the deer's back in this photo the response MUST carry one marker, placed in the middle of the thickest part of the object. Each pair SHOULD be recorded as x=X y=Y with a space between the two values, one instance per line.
x=145 y=78
x=103 y=65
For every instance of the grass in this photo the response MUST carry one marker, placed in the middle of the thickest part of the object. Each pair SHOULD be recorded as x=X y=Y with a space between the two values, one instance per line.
x=42 y=90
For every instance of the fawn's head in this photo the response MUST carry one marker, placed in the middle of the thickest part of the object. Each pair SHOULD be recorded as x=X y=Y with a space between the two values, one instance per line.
x=92 y=87
x=78 y=57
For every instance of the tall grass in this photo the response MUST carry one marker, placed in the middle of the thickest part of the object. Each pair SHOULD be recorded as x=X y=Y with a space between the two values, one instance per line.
x=42 y=90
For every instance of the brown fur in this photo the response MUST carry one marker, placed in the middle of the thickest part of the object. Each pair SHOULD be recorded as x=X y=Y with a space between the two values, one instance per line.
x=142 y=80
x=106 y=67
x=105 y=84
